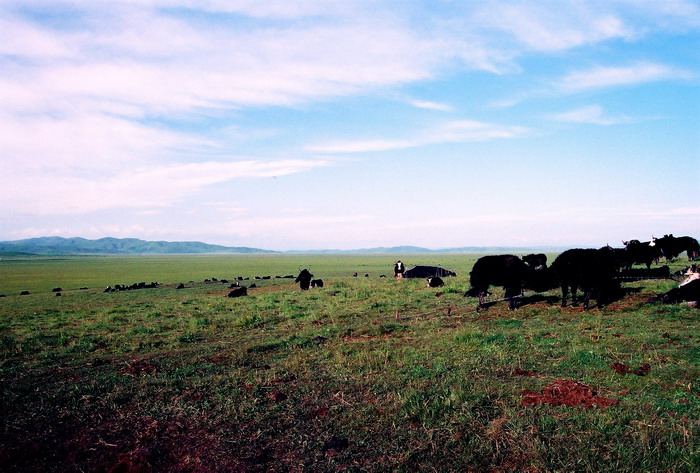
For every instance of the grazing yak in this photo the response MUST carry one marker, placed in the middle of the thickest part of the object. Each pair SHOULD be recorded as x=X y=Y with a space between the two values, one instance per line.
x=592 y=270
x=511 y=273
x=507 y=271
x=304 y=279
x=535 y=261
x=670 y=246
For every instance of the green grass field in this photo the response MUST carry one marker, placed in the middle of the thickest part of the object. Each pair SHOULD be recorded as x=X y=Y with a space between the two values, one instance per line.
x=330 y=379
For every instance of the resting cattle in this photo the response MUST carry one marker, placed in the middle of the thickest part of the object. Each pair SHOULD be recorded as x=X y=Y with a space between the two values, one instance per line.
x=691 y=274
x=423 y=272
x=591 y=270
x=238 y=292
x=687 y=292
x=435 y=281
x=304 y=279
x=507 y=271
x=638 y=252
x=317 y=283
x=670 y=246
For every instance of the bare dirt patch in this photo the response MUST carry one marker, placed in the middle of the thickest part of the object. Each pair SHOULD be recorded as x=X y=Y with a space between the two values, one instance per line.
x=567 y=392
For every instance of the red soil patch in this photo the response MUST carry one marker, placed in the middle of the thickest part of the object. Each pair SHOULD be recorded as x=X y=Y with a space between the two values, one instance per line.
x=567 y=392
x=624 y=369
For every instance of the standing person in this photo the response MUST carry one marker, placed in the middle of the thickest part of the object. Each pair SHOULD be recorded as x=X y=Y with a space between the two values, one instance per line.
x=399 y=268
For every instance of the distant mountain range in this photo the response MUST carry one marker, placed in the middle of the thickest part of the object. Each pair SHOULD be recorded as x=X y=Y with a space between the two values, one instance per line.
x=115 y=246
x=132 y=246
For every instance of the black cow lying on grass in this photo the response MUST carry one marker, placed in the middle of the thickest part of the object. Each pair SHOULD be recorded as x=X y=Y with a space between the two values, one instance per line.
x=238 y=292
x=304 y=279
x=427 y=272
x=689 y=292
x=435 y=281
x=317 y=283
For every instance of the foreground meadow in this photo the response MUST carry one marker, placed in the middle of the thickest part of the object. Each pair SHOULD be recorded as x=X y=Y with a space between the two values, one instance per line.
x=365 y=374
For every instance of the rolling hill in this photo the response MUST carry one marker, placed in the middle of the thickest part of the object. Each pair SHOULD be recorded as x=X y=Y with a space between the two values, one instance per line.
x=115 y=246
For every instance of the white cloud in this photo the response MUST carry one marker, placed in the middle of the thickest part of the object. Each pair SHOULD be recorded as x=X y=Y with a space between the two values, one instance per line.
x=441 y=107
x=554 y=27
x=145 y=187
x=459 y=131
x=600 y=77
x=592 y=114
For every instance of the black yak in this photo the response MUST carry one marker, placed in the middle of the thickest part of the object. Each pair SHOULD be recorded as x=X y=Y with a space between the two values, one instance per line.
x=304 y=279
x=317 y=283
x=238 y=292
x=670 y=246
x=435 y=281
x=535 y=261
x=428 y=271
x=593 y=270
x=638 y=252
x=689 y=291
x=507 y=271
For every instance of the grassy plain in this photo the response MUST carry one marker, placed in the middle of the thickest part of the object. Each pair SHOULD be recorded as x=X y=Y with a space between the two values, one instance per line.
x=329 y=379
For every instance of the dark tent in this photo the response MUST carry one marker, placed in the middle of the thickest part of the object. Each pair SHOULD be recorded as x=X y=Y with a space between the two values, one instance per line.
x=428 y=272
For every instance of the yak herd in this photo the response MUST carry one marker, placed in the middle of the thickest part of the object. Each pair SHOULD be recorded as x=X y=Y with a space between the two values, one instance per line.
x=596 y=272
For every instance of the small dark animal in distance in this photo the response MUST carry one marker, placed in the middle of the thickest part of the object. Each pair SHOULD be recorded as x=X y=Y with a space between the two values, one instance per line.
x=239 y=292
x=435 y=281
x=317 y=283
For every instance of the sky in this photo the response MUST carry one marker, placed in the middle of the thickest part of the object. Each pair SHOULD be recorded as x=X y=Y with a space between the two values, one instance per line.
x=324 y=124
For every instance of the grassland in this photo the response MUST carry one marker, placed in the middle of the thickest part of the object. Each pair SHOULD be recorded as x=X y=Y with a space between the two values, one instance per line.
x=330 y=379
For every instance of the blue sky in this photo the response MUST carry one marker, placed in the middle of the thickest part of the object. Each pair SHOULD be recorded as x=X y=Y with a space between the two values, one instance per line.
x=350 y=124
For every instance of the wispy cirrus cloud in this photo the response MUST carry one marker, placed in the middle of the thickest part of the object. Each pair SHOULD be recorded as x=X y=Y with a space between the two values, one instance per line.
x=459 y=131
x=615 y=76
x=554 y=27
x=141 y=187
x=426 y=104
x=593 y=114
x=601 y=77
